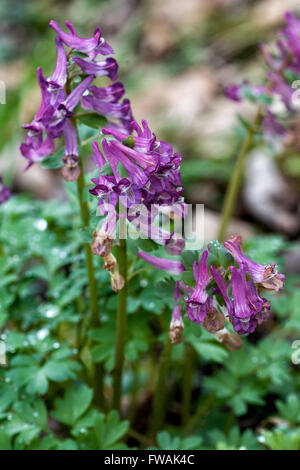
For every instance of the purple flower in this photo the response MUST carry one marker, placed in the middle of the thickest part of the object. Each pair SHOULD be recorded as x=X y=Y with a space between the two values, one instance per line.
x=243 y=326
x=197 y=312
x=233 y=92
x=174 y=245
x=267 y=276
x=168 y=265
x=37 y=154
x=59 y=76
x=108 y=198
x=111 y=94
x=71 y=169
x=241 y=306
x=272 y=127
x=90 y=46
x=199 y=295
x=110 y=110
x=4 y=193
x=108 y=67
x=222 y=286
x=283 y=89
x=114 y=155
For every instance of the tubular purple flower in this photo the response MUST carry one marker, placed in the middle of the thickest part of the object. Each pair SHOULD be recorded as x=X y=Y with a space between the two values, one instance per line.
x=137 y=174
x=59 y=77
x=91 y=46
x=71 y=169
x=222 y=285
x=202 y=278
x=71 y=142
x=112 y=110
x=233 y=92
x=241 y=306
x=168 y=265
x=197 y=312
x=146 y=161
x=34 y=155
x=4 y=192
x=74 y=97
x=267 y=276
x=143 y=142
x=108 y=67
x=111 y=94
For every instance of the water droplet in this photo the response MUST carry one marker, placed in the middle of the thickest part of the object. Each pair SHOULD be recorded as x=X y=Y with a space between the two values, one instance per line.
x=56 y=345
x=261 y=439
x=51 y=312
x=41 y=224
x=7 y=380
x=41 y=334
x=35 y=414
x=151 y=304
x=144 y=283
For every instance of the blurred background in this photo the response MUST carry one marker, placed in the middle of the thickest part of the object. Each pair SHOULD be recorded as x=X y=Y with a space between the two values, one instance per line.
x=175 y=59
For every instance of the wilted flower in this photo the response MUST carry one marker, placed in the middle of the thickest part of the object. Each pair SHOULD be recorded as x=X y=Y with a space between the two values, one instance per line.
x=176 y=325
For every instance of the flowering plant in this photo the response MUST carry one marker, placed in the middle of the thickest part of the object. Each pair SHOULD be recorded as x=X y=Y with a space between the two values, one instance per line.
x=84 y=329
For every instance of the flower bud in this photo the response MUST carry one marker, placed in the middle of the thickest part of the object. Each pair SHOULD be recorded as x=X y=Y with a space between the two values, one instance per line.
x=117 y=281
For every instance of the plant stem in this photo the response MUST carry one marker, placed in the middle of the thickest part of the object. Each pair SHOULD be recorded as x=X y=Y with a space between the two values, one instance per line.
x=187 y=384
x=93 y=300
x=121 y=326
x=235 y=182
x=159 y=399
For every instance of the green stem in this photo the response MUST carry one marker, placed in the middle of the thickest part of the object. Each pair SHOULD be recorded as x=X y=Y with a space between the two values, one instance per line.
x=187 y=384
x=121 y=327
x=235 y=182
x=201 y=411
x=159 y=399
x=93 y=300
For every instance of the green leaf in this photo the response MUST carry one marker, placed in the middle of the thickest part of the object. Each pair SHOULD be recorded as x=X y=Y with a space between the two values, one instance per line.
x=76 y=401
x=54 y=161
x=93 y=120
x=108 y=430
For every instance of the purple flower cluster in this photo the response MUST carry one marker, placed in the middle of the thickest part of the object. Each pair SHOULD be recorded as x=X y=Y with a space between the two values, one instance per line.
x=282 y=64
x=4 y=193
x=145 y=177
x=60 y=97
x=233 y=293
